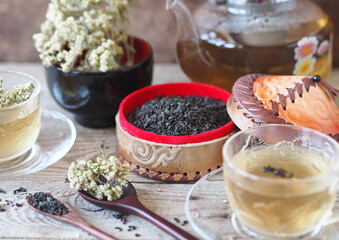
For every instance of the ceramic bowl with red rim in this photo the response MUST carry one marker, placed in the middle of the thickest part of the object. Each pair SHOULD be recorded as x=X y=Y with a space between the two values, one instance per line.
x=171 y=158
x=94 y=97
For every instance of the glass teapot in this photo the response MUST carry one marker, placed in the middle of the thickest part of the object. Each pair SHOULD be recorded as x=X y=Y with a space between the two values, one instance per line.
x=226 y=39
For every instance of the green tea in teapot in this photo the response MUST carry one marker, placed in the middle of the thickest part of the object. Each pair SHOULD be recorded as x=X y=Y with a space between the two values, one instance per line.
x=230 y=40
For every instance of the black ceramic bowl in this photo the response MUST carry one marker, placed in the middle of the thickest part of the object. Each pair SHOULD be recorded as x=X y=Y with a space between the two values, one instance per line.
x=94 y=97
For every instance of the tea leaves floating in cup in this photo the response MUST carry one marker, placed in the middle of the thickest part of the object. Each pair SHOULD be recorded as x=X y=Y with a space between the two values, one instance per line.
x=285 y=206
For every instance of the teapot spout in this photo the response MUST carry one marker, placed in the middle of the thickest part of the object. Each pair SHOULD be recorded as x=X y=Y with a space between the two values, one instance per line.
x=170 y=4
x=194 y=60
x=185 y=24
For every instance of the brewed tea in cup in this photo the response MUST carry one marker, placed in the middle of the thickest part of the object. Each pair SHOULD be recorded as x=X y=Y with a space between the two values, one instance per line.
x=19 y=114
x=281 y=180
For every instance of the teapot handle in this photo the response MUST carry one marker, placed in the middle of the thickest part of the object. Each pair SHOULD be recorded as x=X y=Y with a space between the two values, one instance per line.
x=190 y=52
x=186 y=27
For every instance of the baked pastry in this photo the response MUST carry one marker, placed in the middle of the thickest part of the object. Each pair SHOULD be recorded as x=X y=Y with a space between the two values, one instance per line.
x=266 y=99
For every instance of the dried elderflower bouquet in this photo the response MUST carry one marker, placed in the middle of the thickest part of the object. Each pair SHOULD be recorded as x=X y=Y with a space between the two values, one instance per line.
x=17 y=95
x=103 y=178
x=85 y=35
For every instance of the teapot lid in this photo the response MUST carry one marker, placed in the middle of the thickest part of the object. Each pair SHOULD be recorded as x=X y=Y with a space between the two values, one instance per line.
x=241 y=2
x=248 y=2
x=259 y=6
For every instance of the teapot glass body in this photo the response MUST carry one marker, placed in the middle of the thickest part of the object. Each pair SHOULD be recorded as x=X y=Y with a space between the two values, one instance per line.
x=224 y=40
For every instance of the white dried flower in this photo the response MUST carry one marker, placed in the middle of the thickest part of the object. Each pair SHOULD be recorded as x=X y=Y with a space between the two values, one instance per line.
x=103 y=178
x=20 y=93
x=87 y=35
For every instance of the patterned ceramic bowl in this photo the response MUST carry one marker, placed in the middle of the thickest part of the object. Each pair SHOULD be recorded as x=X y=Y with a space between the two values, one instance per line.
x=170 y=158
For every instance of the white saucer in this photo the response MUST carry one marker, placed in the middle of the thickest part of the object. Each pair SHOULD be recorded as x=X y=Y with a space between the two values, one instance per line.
x=208 y=211
x=57 y=136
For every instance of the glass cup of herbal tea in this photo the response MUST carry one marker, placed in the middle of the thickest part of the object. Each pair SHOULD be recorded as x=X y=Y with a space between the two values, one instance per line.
x=19 y=114
x=281 y=181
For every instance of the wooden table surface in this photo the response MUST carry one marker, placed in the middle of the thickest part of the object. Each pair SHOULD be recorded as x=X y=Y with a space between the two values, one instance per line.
x=165 y=199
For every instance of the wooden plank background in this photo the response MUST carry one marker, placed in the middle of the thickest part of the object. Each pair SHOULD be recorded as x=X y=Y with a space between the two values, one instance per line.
x=20 y=19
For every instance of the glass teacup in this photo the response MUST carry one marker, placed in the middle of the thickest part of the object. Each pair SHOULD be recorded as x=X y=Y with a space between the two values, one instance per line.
x=281 y=181
x=19 y=123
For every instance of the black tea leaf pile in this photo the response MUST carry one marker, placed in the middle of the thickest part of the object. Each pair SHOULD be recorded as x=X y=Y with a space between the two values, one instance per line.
x=46 y=203
x=179 y=116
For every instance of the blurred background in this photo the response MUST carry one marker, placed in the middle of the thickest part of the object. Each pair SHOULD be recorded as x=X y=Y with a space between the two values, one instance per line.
x=20 y=19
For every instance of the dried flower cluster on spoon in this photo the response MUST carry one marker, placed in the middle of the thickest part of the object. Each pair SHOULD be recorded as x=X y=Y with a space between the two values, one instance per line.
x=103 y=178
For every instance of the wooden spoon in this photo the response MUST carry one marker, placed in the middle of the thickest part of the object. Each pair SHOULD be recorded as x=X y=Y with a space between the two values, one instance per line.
x=73 y=218
x=130 y=204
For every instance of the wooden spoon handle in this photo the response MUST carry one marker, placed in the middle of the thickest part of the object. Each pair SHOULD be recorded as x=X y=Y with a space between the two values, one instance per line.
x=170 y=228
x=93 y=231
